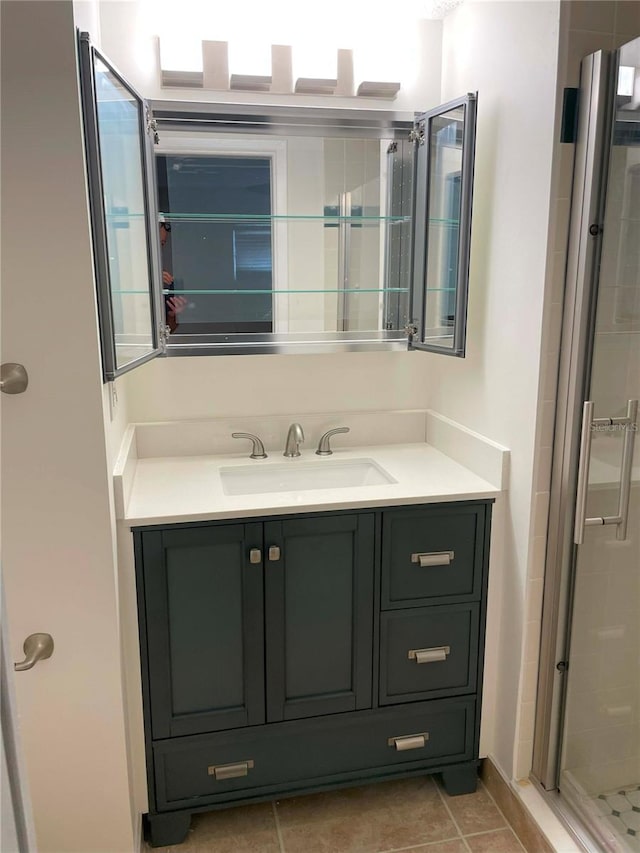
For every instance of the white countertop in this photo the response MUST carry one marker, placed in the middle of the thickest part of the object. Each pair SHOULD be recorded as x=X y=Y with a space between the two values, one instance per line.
x=189 y=488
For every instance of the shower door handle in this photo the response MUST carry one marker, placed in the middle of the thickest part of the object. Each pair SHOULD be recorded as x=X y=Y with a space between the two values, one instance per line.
x=583 y=471
x=630 y=424
x=626 y=474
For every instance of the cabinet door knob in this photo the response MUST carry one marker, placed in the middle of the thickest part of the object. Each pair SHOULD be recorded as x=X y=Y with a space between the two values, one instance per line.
x=255 y=556
x=433 y=558
x=409 y=741
x=274 y=553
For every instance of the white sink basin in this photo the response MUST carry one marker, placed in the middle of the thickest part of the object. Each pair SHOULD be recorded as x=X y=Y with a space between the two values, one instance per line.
x=297 y=476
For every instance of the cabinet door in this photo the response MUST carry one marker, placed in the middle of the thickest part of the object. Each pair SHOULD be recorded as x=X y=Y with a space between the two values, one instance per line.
x=319 y=615
x=445 y=150
x=203 y=608
x=119 y=137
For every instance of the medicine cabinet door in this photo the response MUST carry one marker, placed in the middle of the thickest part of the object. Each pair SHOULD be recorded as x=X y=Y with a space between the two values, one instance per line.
x=119 y=138
x=445 y=148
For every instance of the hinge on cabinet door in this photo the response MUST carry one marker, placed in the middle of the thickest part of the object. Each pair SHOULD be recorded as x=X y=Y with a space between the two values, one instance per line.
x=417 y=134
x=410 y=330
x=163 y=336
x=152 y=127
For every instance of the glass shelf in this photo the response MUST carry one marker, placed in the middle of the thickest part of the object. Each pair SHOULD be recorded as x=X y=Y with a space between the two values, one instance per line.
x=274 y=292
x=268 y=217
x=277 y=217
x=256 y=217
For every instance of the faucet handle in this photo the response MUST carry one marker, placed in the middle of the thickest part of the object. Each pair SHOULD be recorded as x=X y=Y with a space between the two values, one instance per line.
x=324 y=448
x=258 y=447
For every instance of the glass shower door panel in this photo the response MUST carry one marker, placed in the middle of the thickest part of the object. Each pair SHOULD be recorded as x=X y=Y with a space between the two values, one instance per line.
x=600 y=768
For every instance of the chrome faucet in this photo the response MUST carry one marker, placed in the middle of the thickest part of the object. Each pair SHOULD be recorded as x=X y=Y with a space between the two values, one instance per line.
x=295 y=437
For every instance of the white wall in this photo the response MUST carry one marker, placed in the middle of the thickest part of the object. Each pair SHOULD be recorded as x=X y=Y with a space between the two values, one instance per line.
x=57 y=513
x=508 y=52
x=175 y=388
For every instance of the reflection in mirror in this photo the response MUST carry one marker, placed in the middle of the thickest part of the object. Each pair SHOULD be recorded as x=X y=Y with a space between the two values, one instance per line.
x=286 y=235
x=443 y=225
x=121 y=160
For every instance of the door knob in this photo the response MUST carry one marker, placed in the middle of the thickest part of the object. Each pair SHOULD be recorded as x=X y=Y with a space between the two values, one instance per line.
x=13 y=378
x=36 y=647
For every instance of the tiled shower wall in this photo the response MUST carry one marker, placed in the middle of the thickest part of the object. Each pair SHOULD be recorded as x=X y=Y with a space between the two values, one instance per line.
x=585 y=26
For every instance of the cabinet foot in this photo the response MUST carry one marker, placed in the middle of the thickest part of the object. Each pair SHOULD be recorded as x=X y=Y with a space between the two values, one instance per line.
x=165 y=829
x=462 y=779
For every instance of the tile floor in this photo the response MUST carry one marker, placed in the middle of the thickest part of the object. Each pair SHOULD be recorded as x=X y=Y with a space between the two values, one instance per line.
x=622 y=810
x=401 y=815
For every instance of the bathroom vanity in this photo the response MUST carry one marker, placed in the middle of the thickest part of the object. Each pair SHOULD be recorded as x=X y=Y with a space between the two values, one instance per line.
x=334 y=639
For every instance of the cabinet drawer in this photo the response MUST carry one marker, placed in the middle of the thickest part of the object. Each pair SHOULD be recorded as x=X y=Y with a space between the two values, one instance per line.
x=428 y=652
x=432 y=556
x=289 y=756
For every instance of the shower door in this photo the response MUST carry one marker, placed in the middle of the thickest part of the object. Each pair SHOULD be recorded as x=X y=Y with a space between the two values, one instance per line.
x=592 y=720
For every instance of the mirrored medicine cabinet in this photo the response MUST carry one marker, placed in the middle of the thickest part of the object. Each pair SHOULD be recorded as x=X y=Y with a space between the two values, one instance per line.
x=225 y=228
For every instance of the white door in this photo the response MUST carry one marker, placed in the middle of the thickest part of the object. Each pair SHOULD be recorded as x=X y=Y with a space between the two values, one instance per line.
x=58 y=542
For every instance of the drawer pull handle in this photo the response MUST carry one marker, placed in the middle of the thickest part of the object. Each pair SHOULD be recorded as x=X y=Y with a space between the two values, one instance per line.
x=435 y=558
x=230 y=771
x=409 y=741
x=438 y=653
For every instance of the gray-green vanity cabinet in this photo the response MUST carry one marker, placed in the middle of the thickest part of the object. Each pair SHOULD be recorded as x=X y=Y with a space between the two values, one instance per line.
x=204 y=619
x=319 y=615
x=296 y=654
x=223 y=600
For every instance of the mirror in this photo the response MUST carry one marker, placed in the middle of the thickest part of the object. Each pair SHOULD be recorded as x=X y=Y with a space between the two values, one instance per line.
x=289 y=235
x=443 y=225
x=123 y=189
x=117 y=141
x=444 y=167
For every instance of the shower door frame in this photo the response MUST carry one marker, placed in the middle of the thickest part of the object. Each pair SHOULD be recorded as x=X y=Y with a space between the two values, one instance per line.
x=596 y=124
x=595 y=127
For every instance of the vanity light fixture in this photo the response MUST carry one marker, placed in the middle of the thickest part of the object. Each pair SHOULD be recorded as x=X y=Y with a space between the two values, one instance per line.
x=377 y=89
x=315 y=69
x=316 y=85
x=250 y=82
x=236 y=66
x=250 y=66
x=215 y=62
x=181 y=63
x=374 y=73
